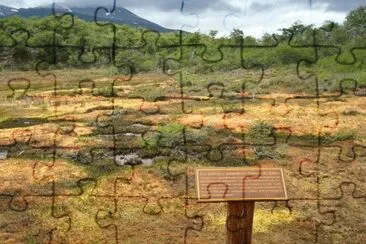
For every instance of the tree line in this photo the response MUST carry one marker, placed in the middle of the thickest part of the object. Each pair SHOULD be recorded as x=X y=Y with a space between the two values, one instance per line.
x=69 y=42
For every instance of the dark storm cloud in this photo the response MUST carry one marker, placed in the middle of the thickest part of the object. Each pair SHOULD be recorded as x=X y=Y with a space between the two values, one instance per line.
x=163 y=5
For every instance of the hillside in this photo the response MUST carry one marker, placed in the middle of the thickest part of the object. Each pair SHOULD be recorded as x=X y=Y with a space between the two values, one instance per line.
x=119 y=16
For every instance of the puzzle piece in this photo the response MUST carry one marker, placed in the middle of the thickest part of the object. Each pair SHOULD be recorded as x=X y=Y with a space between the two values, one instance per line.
x=28 y=224
x=105 y=152
x=342 y=230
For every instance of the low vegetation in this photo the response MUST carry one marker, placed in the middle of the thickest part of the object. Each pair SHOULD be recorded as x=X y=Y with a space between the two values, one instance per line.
x=76 y=137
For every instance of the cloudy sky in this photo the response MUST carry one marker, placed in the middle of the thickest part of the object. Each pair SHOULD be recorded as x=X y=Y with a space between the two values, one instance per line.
x=254 y=17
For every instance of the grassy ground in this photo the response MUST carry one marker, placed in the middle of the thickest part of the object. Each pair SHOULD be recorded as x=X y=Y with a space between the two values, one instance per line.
x=60 y=181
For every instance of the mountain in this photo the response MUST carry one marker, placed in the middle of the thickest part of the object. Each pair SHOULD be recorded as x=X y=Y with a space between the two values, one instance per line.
x=119 y=16
x=7 y=11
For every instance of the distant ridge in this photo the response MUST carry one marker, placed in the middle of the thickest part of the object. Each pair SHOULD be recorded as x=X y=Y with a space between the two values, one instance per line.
x=119 y=16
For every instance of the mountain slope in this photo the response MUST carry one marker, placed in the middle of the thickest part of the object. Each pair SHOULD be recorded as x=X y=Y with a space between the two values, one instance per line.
x=7 y=11
x=119 y=16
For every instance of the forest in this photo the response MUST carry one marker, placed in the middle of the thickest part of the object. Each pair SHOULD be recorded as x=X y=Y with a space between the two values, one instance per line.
x=69 y=42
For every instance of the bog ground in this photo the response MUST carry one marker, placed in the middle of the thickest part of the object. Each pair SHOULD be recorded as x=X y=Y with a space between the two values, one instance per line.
x=105 y=158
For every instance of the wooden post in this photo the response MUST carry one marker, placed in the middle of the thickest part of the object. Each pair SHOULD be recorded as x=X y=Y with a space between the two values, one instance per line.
x=240 y=188
x=239 y=222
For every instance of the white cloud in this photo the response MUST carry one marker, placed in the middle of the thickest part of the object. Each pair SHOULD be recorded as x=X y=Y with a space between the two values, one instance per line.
x=26 y=3
x=252 y=23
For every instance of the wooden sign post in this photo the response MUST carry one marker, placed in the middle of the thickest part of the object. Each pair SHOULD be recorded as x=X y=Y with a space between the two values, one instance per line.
x=240 y=187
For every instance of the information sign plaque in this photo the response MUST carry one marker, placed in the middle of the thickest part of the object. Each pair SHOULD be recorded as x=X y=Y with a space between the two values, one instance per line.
x=240 y=184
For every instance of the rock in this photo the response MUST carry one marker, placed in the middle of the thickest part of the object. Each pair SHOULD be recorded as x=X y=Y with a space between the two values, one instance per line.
x=125 y=159
x=132 y=134
x=140 y=125
x=3 y=155
x=133 y=159
x=147 y=161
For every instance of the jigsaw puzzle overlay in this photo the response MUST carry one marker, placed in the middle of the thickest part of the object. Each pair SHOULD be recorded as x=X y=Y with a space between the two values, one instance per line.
x=100 y=137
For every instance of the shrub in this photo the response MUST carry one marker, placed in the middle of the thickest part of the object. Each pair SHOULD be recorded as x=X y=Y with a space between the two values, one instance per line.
x=259 y=132
x=263 y=152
